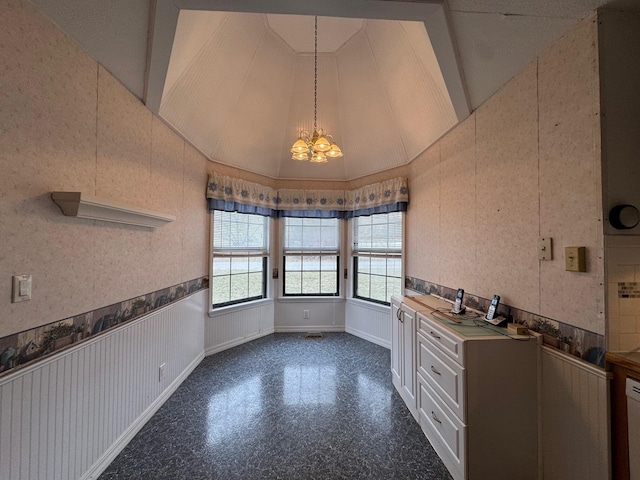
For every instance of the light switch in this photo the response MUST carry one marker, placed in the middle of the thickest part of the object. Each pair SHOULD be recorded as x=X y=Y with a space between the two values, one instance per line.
x=575 y=259
x=544 y=249
x=21 y=288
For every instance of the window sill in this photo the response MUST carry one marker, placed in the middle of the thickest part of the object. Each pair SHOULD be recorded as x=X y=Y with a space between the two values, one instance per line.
x=217 y=312
x=311 y=298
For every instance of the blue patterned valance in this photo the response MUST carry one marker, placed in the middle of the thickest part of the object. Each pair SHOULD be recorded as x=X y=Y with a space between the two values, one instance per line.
x=236 y=195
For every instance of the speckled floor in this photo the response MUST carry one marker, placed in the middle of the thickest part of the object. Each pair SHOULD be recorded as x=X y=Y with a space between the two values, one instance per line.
x=284 y=407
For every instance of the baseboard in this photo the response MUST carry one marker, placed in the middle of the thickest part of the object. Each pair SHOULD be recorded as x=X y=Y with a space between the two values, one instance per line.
x=310 y=328
x=114 y=450
x=236 y=342
x=368 y=337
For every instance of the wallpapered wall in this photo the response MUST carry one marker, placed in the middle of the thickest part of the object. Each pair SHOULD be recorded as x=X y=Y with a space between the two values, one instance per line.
x=67 y=124
x=524 y=165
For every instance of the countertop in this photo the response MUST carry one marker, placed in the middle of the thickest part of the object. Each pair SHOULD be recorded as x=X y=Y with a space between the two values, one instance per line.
x=629 y=360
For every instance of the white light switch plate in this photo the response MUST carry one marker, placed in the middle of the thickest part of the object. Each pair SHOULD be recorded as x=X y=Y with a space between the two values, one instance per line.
x=21 y=288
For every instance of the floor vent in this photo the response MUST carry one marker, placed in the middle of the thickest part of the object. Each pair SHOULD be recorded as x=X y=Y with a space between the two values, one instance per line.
x=314 y=335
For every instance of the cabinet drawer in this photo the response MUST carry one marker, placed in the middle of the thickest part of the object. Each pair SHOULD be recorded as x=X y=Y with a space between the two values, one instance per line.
x=444 y=430
x=443 y=374
x=433 y=331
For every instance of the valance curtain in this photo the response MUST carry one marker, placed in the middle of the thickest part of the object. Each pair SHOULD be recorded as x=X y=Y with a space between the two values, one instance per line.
x=236 y=195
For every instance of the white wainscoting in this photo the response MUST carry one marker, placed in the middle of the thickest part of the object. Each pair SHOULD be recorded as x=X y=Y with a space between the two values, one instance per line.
x=369 y=321
x=575 y=430
x=68 y=416
x=325 y=314
x=238 y=324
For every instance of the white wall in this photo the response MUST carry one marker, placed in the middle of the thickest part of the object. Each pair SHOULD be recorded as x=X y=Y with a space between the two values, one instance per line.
x=369 y=321
x=327 y=315
x=231 y=326
x=68 y=417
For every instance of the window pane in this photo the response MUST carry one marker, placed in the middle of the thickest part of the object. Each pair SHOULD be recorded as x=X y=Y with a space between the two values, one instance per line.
x=329 y=262
x=255 y=284
x=311 y=263
x=363 y=288
x=293 y=283
x=235 y=233
x=293 y=263
x=310 y=282
x=378 y=274
x=255 y=264
x=220 y=289
x=239 y=265
x=394 y=267
x=379 y=288
x=328 y=282
x=394 y=286
x=221 y=266
x=319 y=272
x=379 y=266
x=364 y=264
x=239 y=286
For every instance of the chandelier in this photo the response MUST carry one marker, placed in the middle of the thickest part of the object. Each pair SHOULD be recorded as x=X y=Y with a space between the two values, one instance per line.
x=319 y=145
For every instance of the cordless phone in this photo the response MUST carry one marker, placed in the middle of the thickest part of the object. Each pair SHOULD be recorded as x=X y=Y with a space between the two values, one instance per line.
x=457 y=306
x=491 y=314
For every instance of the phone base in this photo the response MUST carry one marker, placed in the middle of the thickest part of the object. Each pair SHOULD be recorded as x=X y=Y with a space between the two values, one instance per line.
x=459 y=311
x=495 y=321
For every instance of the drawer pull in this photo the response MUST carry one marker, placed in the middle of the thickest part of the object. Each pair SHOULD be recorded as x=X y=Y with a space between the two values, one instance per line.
x=433 y=415
x=433 y=369
x=434 y=335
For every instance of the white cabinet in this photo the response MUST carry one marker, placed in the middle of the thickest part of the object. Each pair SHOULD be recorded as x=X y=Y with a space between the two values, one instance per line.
x=403 y=358
x=476 y=393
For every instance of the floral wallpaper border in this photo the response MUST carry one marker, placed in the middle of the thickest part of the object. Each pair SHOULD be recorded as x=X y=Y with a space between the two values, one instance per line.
x=572 y=340
x=25 y=348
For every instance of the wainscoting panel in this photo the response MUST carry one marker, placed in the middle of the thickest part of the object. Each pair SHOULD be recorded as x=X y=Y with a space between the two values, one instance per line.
x=575 y=419
x=238 y=325
x=371 y=322
x=69 y=415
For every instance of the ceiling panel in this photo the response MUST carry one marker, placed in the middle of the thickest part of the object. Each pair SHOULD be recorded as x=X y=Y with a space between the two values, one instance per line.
x=298 y=31
x=422 y=110
x=195 y=29
x=494 y=48
x=202 y=100
x=254 y=130
x=371 y=139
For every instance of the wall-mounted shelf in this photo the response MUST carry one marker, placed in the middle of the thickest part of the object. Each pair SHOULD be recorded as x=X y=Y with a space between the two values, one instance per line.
x=82 y=205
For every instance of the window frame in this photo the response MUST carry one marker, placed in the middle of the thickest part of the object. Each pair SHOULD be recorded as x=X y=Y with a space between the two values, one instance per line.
x=310 y=251
x=375 y=252
x=247 y=252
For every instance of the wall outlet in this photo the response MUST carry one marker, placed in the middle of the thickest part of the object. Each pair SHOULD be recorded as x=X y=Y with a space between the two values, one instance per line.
x=306 y=314
x=161 y=369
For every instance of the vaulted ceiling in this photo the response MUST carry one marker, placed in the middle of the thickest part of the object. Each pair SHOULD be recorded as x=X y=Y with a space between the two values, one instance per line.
x=236 y=77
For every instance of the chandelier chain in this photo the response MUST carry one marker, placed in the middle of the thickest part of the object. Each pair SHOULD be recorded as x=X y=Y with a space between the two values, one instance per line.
x=315 y=77
x=315 y=147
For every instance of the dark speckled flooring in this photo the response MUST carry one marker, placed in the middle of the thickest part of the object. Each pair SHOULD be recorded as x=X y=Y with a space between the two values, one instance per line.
x=284 y=407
